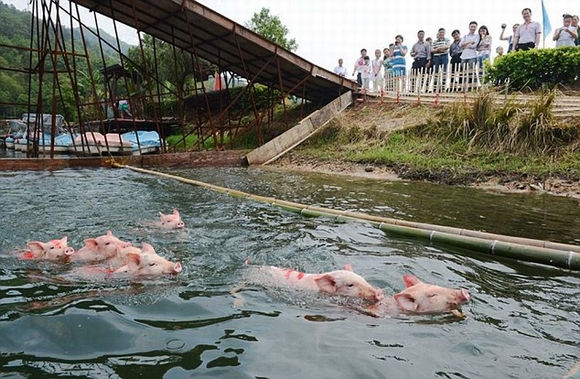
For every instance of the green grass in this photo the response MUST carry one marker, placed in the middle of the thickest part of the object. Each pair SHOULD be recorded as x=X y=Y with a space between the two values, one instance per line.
x=460 y=142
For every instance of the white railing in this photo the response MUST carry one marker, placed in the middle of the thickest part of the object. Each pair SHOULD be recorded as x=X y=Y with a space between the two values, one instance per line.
x=458 y=78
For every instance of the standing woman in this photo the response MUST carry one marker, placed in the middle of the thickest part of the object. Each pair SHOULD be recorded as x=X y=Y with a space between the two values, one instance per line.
x=567 y=34
x=398 y=61
x=484 y=45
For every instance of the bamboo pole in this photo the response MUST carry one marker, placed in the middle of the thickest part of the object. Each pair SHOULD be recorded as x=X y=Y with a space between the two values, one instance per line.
x=525 y=249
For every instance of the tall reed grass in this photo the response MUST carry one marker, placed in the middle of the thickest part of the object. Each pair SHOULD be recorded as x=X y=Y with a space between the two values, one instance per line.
x=505 y=124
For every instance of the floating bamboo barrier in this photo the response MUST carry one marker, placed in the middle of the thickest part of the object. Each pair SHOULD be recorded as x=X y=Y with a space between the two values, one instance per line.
x=525 y=249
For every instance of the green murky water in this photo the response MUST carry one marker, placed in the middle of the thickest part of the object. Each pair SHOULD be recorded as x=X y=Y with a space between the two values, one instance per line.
x=523 y=320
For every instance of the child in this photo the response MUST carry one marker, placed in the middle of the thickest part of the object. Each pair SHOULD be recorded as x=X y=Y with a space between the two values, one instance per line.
x=365 y=73
x=377 y=68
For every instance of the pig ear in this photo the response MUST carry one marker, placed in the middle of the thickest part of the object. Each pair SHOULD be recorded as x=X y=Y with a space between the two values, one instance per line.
x=109 y=233
x=64 y=240
x=36 y=247
x=326 y=283
x=91 y=243
x=176 y=212
x=134 y=258
x=410 y=280
x=147 y=249
x=347 y=267
x=406 y=302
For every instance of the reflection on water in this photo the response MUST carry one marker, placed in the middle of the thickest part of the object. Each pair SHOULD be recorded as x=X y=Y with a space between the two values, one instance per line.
x=523 y=320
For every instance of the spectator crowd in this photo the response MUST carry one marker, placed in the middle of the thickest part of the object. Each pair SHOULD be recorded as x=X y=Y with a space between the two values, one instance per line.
x=470 y=50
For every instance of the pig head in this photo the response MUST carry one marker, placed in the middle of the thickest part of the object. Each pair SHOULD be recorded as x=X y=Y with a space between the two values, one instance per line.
x=51 y=250
x=146 y=262
x=420 y=298
x=171 y=221
x=100 y=248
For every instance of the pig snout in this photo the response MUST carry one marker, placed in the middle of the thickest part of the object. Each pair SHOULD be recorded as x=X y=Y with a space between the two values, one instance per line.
x=69 y=251
x=177 y=268
x=372 y=294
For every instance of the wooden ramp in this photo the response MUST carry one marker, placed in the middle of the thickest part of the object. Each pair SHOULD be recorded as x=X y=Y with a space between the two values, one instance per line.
x=285 y=142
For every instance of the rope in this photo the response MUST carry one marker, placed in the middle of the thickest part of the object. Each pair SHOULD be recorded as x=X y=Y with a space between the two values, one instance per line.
x=538 y=251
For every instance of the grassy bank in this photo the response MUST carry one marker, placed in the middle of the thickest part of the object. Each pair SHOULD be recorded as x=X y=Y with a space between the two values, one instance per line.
x=455 y=144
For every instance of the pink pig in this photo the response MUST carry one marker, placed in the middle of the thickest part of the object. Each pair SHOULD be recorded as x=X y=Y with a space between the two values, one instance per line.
x=51 y=250
x=419 y=297
x=171 y=221
x=144 y=262
x=100 y=248
x=340 y=282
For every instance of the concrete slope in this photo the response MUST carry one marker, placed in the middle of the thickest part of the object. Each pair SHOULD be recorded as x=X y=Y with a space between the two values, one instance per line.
x=285 y=142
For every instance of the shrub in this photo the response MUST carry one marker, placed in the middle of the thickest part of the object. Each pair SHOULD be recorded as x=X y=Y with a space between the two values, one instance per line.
x=536 y=69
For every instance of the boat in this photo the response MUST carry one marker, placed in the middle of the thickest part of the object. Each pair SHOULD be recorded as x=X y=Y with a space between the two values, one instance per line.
x=95 y=143
x=144 y=142
x=27 y=131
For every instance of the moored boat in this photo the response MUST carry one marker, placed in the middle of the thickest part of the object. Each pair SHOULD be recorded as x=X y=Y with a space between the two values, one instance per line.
x=95 y=143
x=144 y=142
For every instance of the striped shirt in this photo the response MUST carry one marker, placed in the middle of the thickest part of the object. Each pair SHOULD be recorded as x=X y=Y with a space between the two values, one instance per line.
x=440 y=43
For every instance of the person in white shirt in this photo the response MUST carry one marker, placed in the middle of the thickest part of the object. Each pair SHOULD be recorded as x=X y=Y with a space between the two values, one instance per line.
x=377 y=71
x=469 y=45
x=340 y=69
x=358 y=66
x=365 y=73
x=566 y=35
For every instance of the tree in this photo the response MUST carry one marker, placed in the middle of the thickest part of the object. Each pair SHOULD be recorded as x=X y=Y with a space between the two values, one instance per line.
x=270 y=27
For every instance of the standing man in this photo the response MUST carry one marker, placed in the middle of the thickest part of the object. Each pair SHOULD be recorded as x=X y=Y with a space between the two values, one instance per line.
x=469 y=55
x=468 y=46
x=359 y=66
x=440 y=50
x=528 y=34
x=340 y=70
x=455 y=50
x=421 y=52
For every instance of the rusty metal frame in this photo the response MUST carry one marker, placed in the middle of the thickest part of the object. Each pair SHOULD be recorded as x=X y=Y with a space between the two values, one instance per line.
x=185 y=25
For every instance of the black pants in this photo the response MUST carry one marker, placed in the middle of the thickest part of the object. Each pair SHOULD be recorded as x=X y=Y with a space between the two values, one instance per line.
x=419 y=63
x=526 y=46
